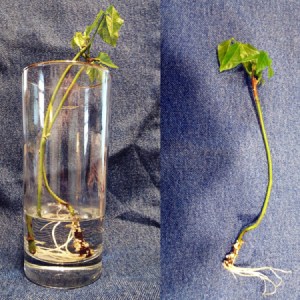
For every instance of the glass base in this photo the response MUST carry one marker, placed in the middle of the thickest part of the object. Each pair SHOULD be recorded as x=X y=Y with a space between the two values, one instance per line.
x=62 y=276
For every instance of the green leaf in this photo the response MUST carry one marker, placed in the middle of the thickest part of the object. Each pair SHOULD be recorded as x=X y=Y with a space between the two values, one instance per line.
x=263 y=62
x=95 y=74
x=222 y=49
x=231 y=53
x=110 y=26
x=248 y=52
x=237 y=53
x=94 y=25
x=248 y=67
x=80 y=40
x=104 y=59
x=231 y=58
x=270 y=72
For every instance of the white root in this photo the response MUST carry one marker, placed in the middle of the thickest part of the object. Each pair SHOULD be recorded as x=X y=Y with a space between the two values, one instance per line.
x=61 y=253
x=261 y=273
x=258 y=272
x=53 y=234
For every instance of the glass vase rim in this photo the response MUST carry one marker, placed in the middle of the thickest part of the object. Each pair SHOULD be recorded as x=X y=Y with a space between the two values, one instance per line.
x=64 y=61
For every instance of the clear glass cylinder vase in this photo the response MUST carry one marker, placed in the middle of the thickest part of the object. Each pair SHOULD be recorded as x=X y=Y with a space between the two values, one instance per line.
x=66 y=109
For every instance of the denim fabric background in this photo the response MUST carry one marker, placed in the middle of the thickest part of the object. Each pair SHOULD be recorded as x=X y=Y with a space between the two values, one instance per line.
x=33 y=31
x=213 y=162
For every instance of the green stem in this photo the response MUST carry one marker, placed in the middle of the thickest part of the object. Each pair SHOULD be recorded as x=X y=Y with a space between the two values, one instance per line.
x=63 y=100
x=95 y=33
x=30 y=235
x=57 y=198
x=47 y=133
x=46 y=129
x=254 y=225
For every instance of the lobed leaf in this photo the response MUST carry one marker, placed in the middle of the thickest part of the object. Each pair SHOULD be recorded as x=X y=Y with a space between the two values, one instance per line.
x=231 y=53
x=222 y=49
x=263 y=62
x=110 y=26
x=94 y=74
x=237 y=53
x=80 y=40
x=231 y=58
x=104 y=59
x=94 y=25
x=248 y=51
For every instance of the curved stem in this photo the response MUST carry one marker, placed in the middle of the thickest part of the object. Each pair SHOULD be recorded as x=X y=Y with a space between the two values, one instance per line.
x=57 y=198
x=96 y=31
x=47 y=130
x=45 y=133
x=63 y=100
x=47 y=126
x=254 y=225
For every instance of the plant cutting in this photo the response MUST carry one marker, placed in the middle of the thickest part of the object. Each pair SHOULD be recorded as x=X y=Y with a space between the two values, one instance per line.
x=232 y=53
x=67 y=158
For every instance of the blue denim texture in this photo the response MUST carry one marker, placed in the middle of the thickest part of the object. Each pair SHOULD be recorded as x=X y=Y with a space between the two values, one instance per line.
x=33 y=31
x=213 y=162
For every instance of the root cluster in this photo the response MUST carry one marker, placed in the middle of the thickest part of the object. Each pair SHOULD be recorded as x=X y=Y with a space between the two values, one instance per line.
x=74 y=240
x=268 y=275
